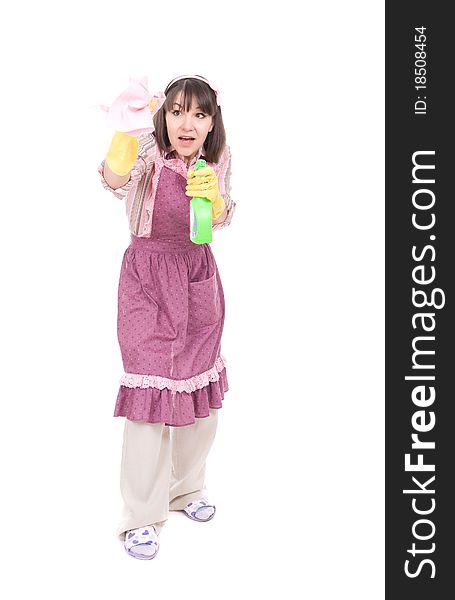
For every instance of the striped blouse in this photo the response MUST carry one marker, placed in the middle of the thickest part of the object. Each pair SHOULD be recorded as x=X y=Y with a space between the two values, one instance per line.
x=139 y=192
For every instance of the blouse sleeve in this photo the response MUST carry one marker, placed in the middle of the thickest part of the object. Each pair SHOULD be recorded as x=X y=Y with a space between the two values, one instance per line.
x=224 y=181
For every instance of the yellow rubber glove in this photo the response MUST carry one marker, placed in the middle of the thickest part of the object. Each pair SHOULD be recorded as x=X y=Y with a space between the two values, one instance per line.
x=122 y=153
x=124 y=149
x=152 y=104
x=203 y=183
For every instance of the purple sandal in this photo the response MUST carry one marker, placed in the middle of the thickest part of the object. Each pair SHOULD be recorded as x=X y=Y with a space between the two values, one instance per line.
x=142 y=542
x=200 y=510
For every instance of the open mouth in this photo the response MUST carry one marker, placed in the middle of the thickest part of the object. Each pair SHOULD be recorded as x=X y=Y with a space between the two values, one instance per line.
x=187 y=139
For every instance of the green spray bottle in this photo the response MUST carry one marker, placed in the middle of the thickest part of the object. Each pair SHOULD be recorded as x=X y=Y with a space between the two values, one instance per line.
x=200 y=215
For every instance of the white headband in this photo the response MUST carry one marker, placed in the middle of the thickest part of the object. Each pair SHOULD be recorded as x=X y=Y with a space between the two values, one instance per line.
x=209 y=83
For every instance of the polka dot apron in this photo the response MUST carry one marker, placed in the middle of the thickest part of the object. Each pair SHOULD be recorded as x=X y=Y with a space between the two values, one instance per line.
x=170 y=318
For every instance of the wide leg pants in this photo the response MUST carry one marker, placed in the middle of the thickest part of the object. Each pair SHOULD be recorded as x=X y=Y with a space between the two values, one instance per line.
x=162 y=469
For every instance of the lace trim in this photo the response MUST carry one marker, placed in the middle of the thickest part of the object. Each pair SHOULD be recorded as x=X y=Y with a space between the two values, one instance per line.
x=133 y=380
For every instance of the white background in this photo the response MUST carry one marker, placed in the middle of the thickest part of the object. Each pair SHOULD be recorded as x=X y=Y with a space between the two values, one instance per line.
x=296 y=470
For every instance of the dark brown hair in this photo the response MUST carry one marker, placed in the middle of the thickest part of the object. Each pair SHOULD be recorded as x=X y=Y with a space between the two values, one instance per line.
x=216 y=139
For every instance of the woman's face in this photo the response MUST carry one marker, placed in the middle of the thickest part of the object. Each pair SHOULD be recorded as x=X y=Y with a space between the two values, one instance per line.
x=193 y=125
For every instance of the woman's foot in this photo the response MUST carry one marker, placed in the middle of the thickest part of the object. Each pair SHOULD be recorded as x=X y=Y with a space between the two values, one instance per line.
x=142 y=542
x=200 y=510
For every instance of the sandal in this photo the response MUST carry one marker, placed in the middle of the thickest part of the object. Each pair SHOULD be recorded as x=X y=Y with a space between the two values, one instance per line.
x=142 y=542
x=200 y=510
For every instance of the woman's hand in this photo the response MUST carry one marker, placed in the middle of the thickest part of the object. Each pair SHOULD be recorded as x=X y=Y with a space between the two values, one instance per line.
x=122 y=153
x=203 y=183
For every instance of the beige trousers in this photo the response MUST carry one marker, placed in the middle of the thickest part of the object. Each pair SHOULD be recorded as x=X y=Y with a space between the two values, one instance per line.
x=162 y=469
